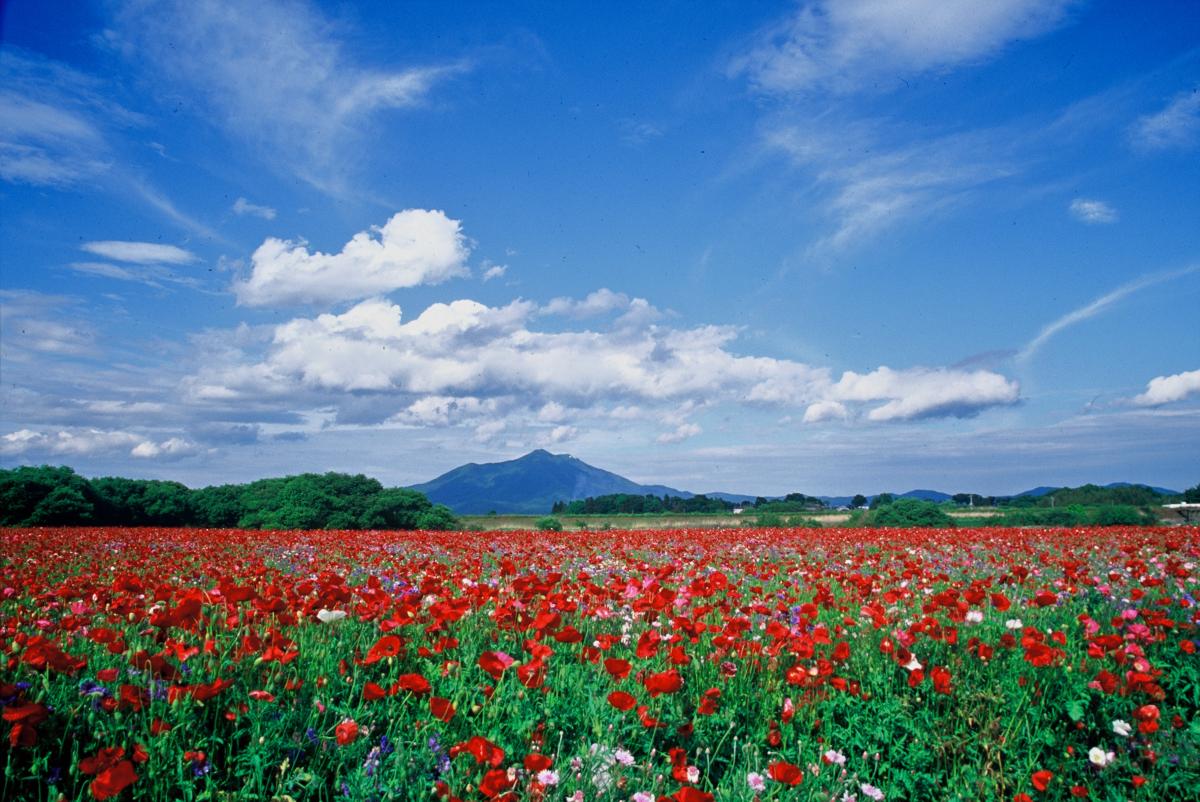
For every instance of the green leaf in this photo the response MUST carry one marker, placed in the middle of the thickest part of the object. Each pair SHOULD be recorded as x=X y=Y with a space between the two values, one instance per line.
x=1075 y=710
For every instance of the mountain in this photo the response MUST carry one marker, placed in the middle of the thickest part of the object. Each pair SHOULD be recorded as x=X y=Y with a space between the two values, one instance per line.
x=935 y=496
x=1038 y=492
x=529 y=485
x=1162 y=491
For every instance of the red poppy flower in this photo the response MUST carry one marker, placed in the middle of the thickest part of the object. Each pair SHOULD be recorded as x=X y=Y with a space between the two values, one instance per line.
x=441 y=709
x=786 y=773
x=413 y=683
x=373 y=691
x=617 y=667
x=1041 y=779
x=387 y=646
x=483 y=750
x=495 y=663
x=664 y=682
x=346 y=732
x=113 y=773
x=621 y=700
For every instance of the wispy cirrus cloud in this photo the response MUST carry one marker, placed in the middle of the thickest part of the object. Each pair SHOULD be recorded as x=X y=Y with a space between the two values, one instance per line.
x=1176 y=125
x=865 y=196
x=1096 y=307
x=844 y=46
x=298 y=95
x=55 y=122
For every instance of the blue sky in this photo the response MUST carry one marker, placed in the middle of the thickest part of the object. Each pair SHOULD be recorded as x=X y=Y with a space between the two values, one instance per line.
x=756 y=247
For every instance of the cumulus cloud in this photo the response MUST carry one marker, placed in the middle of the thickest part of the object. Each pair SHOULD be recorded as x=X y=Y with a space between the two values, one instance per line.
x=494 y=271
x=599 y=302
x=1168 y=389
x=1177 y=125
x=925 y=393
x=140 y=253
x=242 y=206
x=848 y=45
x=81 y=442
x=172 y=448
x=824 y=411
x=414 y=247
x=681 y=432
x=1092 y=212
x=467 y=364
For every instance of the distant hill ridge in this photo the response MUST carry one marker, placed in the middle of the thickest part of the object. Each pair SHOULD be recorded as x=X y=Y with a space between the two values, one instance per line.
x=531 y=484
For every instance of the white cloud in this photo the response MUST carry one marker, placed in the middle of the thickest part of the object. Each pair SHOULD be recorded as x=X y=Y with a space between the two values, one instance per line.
x=560 y=434
x=1096 y=307
x=868 y=195
x=72 y=442
x=173 y=447
x=414 y=247
x=599 y=302
x=465 y=363
x=151 y=275
x=296 y=93
x=824 y=411
x=494 y=271
x=1167 y=389
x=53 y=122
x=924 y=393
x=1093 y=212
x=681 y=432
x=140 y=253
x=849 y=45
x=42 y=324
x=243 y=206
x=1175 y=126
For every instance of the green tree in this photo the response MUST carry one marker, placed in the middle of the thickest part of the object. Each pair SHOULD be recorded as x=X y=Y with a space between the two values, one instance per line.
x=911 y=512
x=65 y=504
x=859 y=500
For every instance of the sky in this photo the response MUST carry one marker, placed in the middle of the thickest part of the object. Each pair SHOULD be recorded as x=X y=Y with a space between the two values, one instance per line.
x=825 y=247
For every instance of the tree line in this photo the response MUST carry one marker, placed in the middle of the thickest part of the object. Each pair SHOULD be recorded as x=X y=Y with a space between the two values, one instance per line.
x=57 y=496
x=633 y=504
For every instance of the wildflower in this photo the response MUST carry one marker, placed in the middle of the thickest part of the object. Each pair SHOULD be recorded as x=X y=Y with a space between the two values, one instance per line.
x=113 y=772
x=975 y=616
x=871 y=791
x=756 y=781
x=329 y=616
x=643 y=796
x=346 y=732
x=1099 y=757
x=547 y=777
x=835 y=757
x=1122 y=728
x=785 y=773
x=624 y=757
x=1014 y=623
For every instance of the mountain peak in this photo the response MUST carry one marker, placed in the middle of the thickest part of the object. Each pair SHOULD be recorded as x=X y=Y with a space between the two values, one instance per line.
x=529 y=484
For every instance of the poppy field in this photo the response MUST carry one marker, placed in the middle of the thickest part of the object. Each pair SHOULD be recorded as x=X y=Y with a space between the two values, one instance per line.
x=689 y=665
